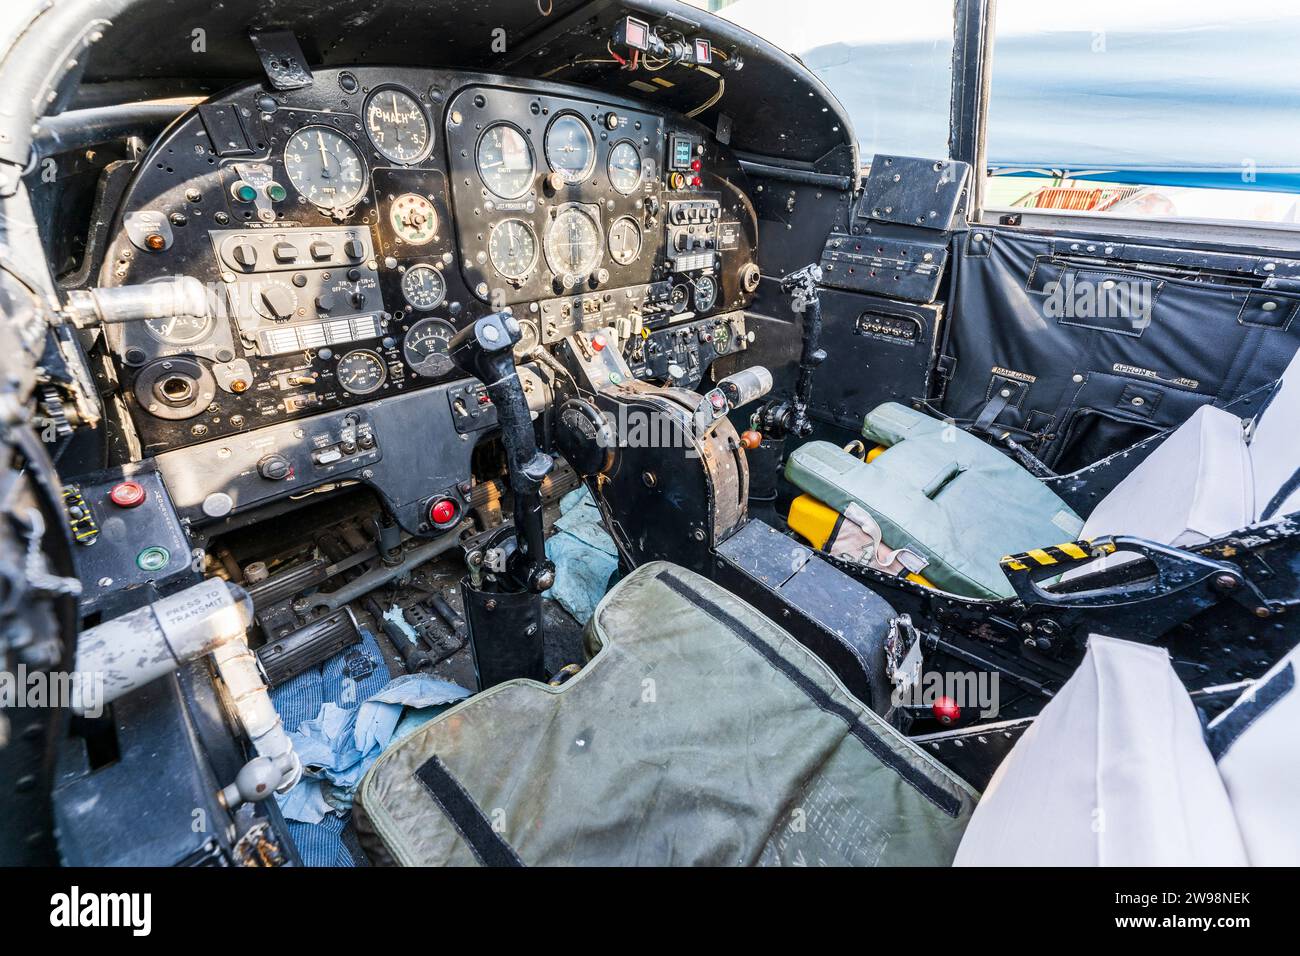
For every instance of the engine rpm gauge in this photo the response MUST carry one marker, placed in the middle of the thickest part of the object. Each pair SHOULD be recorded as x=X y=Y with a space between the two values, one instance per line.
x=424 y=287
x=505 y=161
x=397 y=126
x=569 y=148
x=361 y=372
x=512 y=247
x=324 y=167
x=573 y=242
x=624 y=240
x=624 y=167
x=426 y=347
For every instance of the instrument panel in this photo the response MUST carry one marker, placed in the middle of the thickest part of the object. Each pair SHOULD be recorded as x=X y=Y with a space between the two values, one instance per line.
x=345 y=231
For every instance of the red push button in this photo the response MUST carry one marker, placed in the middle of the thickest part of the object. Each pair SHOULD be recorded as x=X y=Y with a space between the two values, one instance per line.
x=126 y=494
x=945 y=710
x=598 y=342
x=442 y=511
x=696 y=165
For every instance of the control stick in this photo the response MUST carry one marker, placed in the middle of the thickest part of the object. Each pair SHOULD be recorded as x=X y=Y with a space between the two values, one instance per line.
x=503 y=590
x=486 y=351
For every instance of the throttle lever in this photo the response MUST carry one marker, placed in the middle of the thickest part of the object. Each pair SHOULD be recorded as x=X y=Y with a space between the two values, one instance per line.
x=486 y=351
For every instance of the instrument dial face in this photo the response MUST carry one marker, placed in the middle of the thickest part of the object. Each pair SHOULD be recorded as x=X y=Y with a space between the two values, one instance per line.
x=397 y=126
x=414 y=219
x=180 y=329
x=624 y=240
x=624 y=167
x=677 y=298
x=513 y=248
x=529 y=338
x=325 y=167
x=706 y=293
x=570 y=149
x=505 y=161
x=573 y=243
x=361 y=372
x=426 y=347
x=424 y=287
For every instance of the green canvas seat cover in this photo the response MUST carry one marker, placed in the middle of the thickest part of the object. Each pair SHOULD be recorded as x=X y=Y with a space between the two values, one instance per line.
x=941 y=492
x=699 y=733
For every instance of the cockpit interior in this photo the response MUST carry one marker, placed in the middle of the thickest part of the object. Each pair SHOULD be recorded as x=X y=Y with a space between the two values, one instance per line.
x=533 y=434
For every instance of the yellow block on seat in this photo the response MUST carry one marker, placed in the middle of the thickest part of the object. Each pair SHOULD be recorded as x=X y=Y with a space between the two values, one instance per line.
x=815 y=522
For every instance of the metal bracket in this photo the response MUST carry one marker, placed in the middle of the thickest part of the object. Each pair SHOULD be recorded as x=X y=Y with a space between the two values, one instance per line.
x=282 y=59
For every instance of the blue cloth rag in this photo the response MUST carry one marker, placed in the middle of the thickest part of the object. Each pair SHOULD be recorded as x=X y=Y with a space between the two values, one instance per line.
x=340 y=716
x=584 y=556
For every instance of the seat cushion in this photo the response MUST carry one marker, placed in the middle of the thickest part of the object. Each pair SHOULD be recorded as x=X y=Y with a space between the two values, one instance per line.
x=1113 y=772
x=699 y=733
x=941 y=492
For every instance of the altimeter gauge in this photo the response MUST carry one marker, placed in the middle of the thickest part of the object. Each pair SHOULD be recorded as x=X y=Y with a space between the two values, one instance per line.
x=397 y=126
x=325 y=167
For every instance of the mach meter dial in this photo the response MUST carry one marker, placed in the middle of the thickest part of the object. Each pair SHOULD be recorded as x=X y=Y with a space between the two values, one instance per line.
x=325 y=167
x=426 y=347
x=397 y=126
x=424 y=287
x=361 y=372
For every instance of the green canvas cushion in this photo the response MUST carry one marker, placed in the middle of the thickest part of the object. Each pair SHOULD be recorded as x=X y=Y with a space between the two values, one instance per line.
x=699 y=733
x=941 y=492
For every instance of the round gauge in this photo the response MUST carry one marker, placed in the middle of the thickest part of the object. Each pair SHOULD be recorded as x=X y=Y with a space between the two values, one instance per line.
x=426 y=347
x=513 y=248
x=573 y=242
x=361 y=372
x=706 y=293
x=505 y=161
x=624 y=167
x=529 y=338
x=677 y=298
x=721 y=338
x=569 y=148
x=414 y=219
x=325 y=167
x=424 y=287
x=624 y=240
x=397 y=126
x=180 y=329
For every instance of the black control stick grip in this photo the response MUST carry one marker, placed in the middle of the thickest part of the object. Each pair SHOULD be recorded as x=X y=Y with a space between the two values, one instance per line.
x=485 y=350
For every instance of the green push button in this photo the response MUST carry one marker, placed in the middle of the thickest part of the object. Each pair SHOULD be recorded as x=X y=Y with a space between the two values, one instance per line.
x=153 y=559
x=276 y=192
x=245 y=192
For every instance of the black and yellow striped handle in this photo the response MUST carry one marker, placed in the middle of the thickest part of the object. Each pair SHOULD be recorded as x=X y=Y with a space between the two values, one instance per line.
x=1058 y=554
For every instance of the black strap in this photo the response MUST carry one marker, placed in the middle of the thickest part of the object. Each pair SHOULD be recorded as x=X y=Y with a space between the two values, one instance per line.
x=1288 y=488
x=486 y=844
x=937 y=795
x=1237 y=720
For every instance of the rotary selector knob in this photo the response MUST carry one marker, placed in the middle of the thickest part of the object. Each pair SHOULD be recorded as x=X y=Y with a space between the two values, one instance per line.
x=244 y=254
x=274 y=467
x=277 y=302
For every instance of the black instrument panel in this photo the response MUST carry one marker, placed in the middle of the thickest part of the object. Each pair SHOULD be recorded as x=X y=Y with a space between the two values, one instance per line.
x=345 y=231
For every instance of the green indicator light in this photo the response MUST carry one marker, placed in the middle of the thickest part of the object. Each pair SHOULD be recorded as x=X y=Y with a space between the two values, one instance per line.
x=276 y=192
x=153 y=559
x=615 y=378
x=244 y=192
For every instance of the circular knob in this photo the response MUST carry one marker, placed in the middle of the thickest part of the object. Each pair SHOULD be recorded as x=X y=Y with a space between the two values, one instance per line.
x=325 y=301
x=274 y=467
x=354 y=249
x=127 y=494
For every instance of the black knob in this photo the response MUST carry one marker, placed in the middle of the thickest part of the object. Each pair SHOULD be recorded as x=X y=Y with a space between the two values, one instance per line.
x=354 y=249
x=274 y=467
x=325 y=301
x=321 y=250
x=285 y=252
x=278 y=302
x=244 y=254
x=358 y=298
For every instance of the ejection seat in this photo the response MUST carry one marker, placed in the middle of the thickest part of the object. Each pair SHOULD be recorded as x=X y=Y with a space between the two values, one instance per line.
x=940 y=504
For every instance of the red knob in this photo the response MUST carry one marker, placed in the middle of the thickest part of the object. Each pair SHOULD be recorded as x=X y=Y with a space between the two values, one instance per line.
x=945 y=710
x=442 y=511
x=126 y=494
